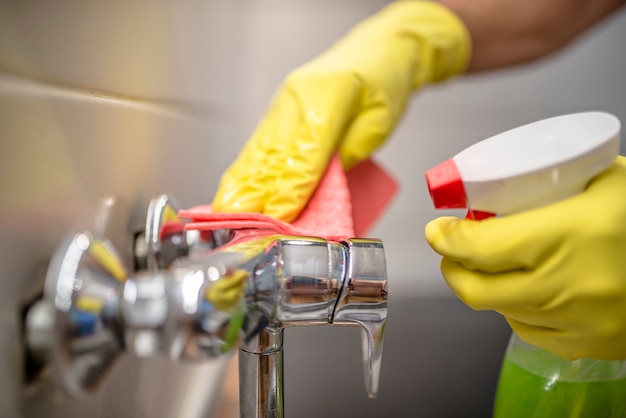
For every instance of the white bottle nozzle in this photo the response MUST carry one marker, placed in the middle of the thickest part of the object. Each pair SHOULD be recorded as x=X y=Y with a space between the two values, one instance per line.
x=528 y=166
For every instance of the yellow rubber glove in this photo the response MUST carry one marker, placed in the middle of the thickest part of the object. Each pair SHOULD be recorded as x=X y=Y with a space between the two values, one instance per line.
x=557 y=273
x=347 y=100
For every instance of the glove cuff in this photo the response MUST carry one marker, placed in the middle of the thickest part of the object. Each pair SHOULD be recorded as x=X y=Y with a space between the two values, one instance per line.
x=444 y=42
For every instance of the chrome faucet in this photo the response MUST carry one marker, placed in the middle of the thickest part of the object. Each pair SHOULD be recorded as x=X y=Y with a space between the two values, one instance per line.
x=201 y=295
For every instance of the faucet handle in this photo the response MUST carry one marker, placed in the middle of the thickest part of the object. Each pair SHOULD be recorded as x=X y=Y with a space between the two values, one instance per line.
x=77 y=323
x=363 y=301
x=163 y=235
x=93 y=310
x=165 y=240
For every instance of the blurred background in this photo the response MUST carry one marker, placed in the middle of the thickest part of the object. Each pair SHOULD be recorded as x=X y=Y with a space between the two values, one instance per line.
x=104 y=105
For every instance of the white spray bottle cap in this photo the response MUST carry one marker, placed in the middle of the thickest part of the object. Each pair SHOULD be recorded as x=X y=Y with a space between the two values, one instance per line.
x=527 y=167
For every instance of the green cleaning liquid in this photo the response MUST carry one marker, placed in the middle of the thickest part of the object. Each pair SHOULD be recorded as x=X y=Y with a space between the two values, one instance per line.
x=536 y=383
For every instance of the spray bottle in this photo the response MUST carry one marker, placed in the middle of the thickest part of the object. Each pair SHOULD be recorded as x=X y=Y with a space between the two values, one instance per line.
x=521 y=169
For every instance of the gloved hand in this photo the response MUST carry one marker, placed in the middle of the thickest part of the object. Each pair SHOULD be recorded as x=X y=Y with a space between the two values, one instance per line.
x=347 y=100
x=557 y=273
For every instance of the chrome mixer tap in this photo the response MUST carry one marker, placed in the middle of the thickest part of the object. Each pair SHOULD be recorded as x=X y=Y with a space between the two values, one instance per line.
x=224 y=290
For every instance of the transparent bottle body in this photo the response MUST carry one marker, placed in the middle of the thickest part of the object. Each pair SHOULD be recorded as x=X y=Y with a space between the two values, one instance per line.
x=536 y=383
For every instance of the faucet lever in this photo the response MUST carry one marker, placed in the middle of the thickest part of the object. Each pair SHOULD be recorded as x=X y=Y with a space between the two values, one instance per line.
x=363 y=302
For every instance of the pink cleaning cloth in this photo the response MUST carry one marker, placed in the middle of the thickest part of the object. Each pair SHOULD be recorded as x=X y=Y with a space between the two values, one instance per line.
x=344 y=205
x=371 y=190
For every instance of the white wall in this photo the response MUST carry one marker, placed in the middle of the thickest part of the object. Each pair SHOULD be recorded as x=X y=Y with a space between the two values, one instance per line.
x=590 y=75
x=222 y=60
x=442 y=120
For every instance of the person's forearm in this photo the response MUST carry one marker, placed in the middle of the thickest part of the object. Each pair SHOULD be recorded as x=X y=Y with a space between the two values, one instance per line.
x=511 y=32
